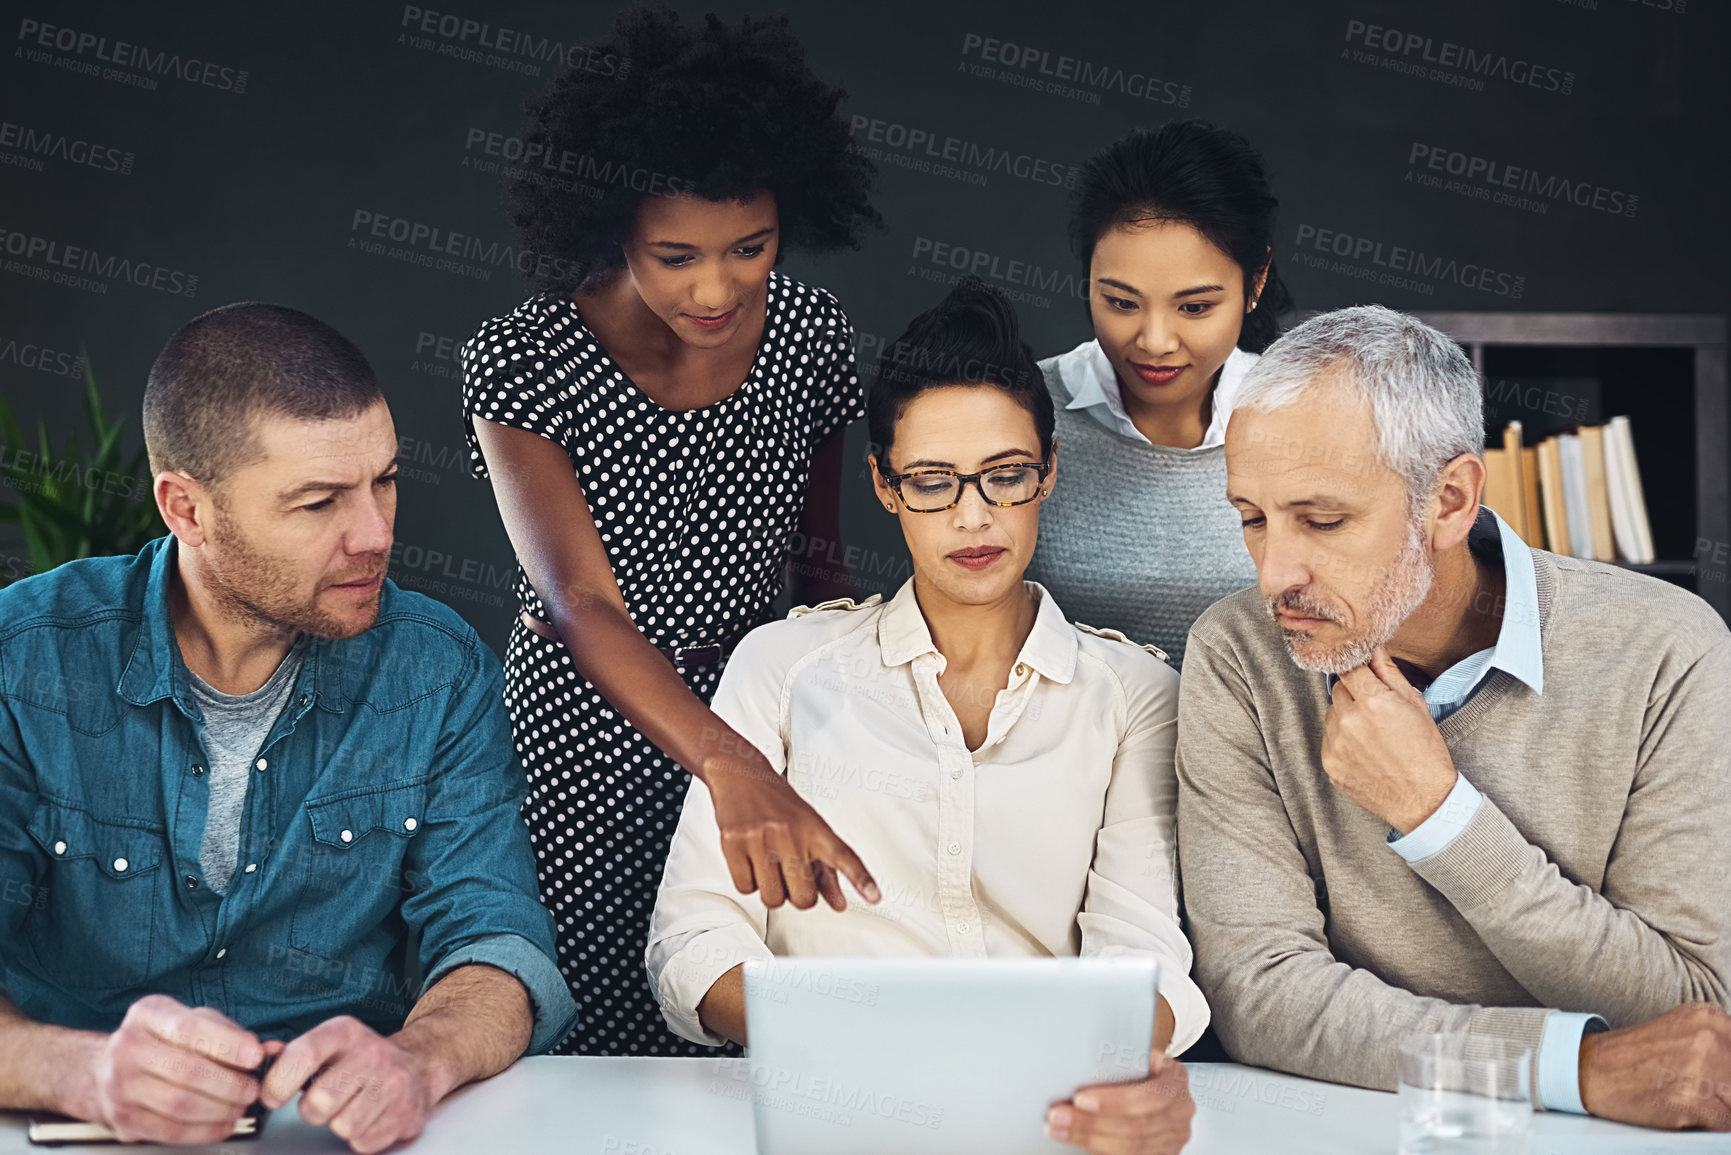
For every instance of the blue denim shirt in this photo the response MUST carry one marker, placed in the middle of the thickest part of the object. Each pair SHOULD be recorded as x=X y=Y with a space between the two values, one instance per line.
x=381 y=844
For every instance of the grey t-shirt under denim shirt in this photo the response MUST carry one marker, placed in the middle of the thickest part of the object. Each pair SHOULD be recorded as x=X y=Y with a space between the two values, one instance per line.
x=235 y=728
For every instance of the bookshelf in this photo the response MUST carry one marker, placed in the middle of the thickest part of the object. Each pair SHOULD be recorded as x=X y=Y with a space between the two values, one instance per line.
x=1666 y=372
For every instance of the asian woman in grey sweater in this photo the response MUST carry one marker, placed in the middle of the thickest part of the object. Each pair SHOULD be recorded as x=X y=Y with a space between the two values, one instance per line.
x=1175 y=230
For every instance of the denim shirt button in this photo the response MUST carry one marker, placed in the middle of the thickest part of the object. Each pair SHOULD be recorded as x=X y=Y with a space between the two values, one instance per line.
x=303 y=700
x=60 y=848
x=261 y=764
x=409 y=824
x=347 y=836
x=197 y=770
x=191 y=882
x=120 y=865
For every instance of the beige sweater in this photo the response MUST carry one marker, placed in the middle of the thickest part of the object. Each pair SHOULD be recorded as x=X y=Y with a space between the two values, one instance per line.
x=1596 y=875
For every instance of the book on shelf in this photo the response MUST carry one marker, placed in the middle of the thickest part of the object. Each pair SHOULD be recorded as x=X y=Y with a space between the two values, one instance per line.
x=1512 y=486
x=1576 y=493
x=1598 y=492
x=1535 y=522
x=1516 y=499
x=1551 y=497
x=1633 y=533
x=1502 y=488
x=1574 y=467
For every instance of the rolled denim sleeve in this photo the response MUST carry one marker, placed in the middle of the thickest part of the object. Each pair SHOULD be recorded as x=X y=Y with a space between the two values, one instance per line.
x=555 y=1012
x=476 y=897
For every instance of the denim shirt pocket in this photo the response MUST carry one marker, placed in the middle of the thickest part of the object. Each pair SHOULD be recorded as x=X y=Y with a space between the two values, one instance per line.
x=96 y=929
x=354 y=878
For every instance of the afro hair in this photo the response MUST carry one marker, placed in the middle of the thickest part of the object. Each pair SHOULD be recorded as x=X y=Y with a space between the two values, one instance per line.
x=717 y=111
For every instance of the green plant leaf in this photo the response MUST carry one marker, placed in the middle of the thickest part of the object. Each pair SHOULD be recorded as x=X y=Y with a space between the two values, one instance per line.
x=14 y=436
x=73 y=506
x=93 y=400
x=43 y=555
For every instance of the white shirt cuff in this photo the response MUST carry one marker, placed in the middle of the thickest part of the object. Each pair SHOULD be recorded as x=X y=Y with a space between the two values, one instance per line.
x=1190 y=1010
x=687 y=976
x=1559 y=1062
x=1435 y=833
x=1190 y=1013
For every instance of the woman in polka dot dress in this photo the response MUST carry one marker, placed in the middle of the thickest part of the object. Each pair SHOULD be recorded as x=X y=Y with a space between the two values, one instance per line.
x=661 y=424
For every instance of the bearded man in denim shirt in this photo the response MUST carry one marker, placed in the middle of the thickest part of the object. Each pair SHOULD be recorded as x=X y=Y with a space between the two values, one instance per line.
x=255 y=801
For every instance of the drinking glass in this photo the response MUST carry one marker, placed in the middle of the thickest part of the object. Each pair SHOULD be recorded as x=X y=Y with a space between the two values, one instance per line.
x=1465 y=1095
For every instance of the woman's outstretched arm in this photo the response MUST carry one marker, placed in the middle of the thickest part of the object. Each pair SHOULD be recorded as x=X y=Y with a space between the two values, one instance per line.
x=772 y=838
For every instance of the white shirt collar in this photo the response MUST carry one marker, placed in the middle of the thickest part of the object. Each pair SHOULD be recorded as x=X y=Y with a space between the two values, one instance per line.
x=1051 y=646
x=1520 y=647
x=1089 y=379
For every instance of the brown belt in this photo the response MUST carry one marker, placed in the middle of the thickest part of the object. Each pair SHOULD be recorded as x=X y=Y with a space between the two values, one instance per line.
x=687 y=656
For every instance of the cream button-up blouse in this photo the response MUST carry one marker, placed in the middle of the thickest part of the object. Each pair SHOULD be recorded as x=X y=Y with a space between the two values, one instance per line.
x=1054 y=838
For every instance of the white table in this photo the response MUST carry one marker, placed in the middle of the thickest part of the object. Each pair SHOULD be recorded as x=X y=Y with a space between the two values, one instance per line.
x=596 y=1106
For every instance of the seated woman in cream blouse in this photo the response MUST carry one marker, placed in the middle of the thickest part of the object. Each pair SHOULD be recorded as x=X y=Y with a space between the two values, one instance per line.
x=1007 y=775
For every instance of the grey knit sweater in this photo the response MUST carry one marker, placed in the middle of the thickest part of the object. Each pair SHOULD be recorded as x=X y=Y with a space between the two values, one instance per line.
x=1136 y=537
x=1593 y=877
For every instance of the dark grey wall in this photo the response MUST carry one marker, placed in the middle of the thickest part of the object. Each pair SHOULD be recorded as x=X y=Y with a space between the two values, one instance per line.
x=239 y=169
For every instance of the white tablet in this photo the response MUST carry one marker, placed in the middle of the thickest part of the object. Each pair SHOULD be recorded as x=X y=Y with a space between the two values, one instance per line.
x=868 y=1056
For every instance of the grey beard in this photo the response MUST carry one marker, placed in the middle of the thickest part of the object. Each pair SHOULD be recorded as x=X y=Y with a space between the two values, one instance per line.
x=1408 y=584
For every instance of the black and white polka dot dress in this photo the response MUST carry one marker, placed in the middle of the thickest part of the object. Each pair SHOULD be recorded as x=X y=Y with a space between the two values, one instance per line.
x=697 y=511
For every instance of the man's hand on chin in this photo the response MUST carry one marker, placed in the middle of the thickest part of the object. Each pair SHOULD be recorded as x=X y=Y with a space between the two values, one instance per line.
x=1381 y=748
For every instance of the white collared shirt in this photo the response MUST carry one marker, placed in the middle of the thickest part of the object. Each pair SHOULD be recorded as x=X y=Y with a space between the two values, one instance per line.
x=1054 y=838
x=1092 y=384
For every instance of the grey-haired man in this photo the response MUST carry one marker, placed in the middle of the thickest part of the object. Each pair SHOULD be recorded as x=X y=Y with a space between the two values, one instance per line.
x=1432 y=779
